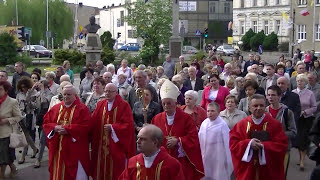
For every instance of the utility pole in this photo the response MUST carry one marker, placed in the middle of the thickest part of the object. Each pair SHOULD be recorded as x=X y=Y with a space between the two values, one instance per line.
x=47 y=33
x=17 y=17
x=75 y=35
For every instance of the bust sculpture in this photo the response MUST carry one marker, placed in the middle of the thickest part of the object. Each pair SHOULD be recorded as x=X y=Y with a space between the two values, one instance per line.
x=92 y=27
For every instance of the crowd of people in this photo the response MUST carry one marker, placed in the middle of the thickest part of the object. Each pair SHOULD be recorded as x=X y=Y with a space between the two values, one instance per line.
x=209 y=118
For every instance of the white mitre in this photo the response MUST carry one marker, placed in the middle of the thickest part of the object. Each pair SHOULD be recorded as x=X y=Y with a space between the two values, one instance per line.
x=169 y=90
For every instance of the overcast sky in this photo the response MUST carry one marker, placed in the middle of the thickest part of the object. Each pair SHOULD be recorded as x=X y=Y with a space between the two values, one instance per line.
x=96 y=3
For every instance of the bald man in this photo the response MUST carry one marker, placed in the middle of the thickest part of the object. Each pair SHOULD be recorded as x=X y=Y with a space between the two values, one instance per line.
x=100 y=67
x=107 y=77
x=66 y=126
x=65 y=77
x=153 y=160
x=113 y=135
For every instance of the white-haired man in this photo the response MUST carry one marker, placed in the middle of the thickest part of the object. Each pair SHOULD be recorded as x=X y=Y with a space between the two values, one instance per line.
x=179 y=65
x=180 y=133
x=112 y=69
x=193 y=83
x=100 y=67
x=124 y=69
x=53 y=87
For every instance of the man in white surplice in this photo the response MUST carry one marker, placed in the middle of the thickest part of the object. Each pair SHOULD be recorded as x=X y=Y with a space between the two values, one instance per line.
x=214 y=144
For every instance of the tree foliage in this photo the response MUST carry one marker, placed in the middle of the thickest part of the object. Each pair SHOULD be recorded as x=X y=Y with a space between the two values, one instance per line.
x=75 y=57
x=257 y=40
x=271 y=42
x=246 y=40
x=8 y=49
x=152 y=21
x=32 y=13
x=106 y=40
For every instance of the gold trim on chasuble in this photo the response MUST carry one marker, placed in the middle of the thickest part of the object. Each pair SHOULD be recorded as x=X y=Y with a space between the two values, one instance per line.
x=157 y=173
x=105 y=137
x=58 y=155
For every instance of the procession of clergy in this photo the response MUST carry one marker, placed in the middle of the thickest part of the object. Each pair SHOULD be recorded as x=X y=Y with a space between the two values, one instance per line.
x=105 y=146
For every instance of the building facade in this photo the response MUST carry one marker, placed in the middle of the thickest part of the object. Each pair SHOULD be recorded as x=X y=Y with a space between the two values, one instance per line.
x=267 y=15
x=307 y=28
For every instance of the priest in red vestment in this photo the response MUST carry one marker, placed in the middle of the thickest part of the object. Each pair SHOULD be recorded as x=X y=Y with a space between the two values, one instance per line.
x=153 y=162
x=66 y=126
x=180 y=133
x=258 y=144
x=113 y=136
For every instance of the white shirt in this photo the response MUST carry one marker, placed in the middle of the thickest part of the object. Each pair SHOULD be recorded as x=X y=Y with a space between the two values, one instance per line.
x=148 y=161
x=213 y=94
x=170 y=119
x=193 y=83
x=110 y=104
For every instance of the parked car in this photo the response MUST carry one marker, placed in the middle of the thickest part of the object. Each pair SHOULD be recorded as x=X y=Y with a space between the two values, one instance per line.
x=37 y=51
x=130 y=47
x=117 y=46
x=189 y=50
x=225 y=50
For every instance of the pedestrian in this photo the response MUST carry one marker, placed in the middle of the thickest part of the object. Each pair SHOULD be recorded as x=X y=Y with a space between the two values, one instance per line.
x=66 y=64
x=153 y=162
x=66 y=126
x=168 y=67
x=258 y=144
x=97 y=93
x=19 y=68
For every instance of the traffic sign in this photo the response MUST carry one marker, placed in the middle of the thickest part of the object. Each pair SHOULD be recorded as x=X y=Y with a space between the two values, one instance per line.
x=198 y=32
x=48 y=34
x=28 y=30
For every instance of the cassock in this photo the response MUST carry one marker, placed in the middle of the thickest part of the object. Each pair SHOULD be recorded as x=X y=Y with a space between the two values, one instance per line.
x=160 y=166
x=214 y=144
x=68 y=154
x=187 y=151
x=266 y=163
x=111 y=151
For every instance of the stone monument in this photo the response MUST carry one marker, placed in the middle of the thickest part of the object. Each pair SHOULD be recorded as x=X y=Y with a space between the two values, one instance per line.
x=175 y=41
x=93 y=47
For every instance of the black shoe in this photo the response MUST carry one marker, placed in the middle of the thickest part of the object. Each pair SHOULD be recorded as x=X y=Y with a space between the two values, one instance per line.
x=34 y=154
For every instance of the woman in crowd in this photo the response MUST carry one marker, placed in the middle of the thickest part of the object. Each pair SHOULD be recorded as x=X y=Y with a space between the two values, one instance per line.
x=230 y=83
x=27 y=104
x=214 y=92
x=85 y=85
x=97 y=94
x=250 y=88
x=66 y=65
x=280 y=71
x=238 y=86
x=231 y=115
x=308 y=108
x=152 y=109
x=10 y=116
x=197 y=113
x=316 y=68
x=289 y=68
x=44 y=97
x=35 y=77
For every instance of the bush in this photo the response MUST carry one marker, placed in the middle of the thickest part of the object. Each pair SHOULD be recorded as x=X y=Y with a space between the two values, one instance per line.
x=246 y=40
x=8 y=49
x=284 y=47
x=271 y=42
x=198 y=56
x=106 y=40
x=107 y=55
x=24 y=58
x=257 y=40
x=75 y=57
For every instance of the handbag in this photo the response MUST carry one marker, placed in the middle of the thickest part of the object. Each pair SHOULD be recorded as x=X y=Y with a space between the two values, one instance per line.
x=17 y=139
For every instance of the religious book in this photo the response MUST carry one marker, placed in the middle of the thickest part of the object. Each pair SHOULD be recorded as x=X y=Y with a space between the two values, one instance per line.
x=261 y=135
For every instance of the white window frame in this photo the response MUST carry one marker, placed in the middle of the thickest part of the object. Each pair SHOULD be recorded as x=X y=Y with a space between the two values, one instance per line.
x=277 y=2
x=277 y=27
x=301 y=32
x=302 y=2
x=227 y=8
x=317 y=32
x=212 y=7
x=266 y=27
x=242 y=29
x=254 y=3
x=255 y=26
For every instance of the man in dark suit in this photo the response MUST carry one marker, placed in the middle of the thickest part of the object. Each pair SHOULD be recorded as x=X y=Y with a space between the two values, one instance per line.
x=193 y=83
x=250 y=62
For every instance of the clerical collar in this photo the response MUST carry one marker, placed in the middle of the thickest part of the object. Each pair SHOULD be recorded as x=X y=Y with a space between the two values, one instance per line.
x=170 y=119
x=110 y=104
x=148 y=161
x=258 y=121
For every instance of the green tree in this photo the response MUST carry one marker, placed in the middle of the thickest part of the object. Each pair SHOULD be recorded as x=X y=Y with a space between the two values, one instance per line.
x=152 y=21
x=246 y=40
x=8 y=49
x=106 y=40
x=257 y=40
x=271 y=42
x=32 y=13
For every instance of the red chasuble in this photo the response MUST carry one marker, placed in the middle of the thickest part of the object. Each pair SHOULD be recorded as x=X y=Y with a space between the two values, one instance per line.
x=109 y=158
x=164 y=167
x=184 y=129
x=65 y=151
x=275 y=149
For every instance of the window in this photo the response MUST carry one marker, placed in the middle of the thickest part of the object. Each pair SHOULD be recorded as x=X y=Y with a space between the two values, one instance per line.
x=266 y=2
x=277 y=2
x=121 y=18
x=242 y=4
x=317 y=1
x=317 y=30
x=226 y=8
x=254 y=3
x=266 y=27
x=132 y=34
x=302 y=2
x=302 y=34
x=242 y=28
x=212 y=7
x=255 y=26
x=277 y=27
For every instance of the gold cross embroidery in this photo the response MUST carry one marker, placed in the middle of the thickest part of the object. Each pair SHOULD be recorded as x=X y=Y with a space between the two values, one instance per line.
x=166 y=89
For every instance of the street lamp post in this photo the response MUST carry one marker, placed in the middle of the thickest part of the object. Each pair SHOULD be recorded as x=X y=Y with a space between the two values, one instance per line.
x=17 y=17
x=47 y=33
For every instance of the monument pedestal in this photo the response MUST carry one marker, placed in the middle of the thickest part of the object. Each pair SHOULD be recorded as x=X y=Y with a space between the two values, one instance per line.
x=175 y=46
x=93 y=48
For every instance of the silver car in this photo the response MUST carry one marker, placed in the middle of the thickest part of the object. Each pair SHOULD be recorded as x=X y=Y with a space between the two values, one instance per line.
x=225 y=50
x=189 y=50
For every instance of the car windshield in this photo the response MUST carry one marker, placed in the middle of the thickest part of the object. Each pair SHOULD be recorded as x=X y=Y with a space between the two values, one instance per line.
x=39 y=48
x=227 y=47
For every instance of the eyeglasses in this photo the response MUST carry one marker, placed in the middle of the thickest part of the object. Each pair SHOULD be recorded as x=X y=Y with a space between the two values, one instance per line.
x=108 y=91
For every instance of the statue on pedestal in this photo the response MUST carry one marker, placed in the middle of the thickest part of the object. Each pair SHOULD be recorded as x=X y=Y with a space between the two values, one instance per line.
x=92 y=27
x=93 y=44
